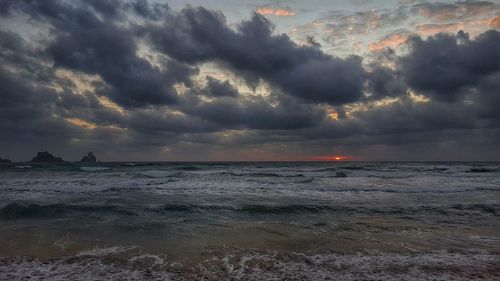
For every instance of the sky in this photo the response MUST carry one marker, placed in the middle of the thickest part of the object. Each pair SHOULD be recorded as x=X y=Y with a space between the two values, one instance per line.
x=139 y=80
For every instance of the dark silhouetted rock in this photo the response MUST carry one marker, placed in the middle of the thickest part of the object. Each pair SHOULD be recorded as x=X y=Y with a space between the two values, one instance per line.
x=3 y=160
x=89 y=158
x=46 y=157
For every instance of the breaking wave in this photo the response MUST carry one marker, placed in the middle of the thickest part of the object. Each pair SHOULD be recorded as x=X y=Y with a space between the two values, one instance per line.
x=262 y=175
x=20 y=210
x=94 y=169
x=128 y=263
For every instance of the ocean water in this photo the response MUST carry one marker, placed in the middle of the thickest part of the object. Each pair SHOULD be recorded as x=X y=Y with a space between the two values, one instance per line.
x=250 y=221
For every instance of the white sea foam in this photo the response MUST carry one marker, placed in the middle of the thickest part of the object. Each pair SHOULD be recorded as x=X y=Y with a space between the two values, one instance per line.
x=84 y=270
x=258 y=266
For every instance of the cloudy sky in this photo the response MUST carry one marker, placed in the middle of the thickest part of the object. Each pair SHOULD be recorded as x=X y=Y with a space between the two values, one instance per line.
x=250 y=80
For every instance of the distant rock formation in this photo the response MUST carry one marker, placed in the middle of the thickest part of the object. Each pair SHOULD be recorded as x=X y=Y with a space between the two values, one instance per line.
x=3 y=160
x=46 y=157
x=90 y=158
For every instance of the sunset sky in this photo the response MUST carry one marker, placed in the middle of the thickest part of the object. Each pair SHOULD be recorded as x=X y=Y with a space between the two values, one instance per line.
x=250 y=80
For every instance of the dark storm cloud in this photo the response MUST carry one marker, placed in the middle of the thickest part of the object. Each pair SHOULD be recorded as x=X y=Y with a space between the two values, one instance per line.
x=32 y=111
x=487 y=99
x=14 y=49
x=385 y=82
x=100 y=47
x=20 y=100
x=88 y=39
x=23 y=96
x=149 y=11
x=444 y=65
x=398 y=124
x=310 y=41
x=216 y=88
x=61 y=10
x=26 y=112
x=42 y=107
x=156 y=122
x=197 y=35
x=256 y=112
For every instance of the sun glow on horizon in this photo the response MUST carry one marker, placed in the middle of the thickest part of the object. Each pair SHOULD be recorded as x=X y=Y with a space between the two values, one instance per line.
x=333 y=158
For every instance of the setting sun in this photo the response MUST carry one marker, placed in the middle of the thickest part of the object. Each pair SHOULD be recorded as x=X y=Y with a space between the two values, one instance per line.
x=332 y=158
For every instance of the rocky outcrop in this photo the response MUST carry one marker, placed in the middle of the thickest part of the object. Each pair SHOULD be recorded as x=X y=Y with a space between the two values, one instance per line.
x=46 y=157
x=90 y=158
x=3 y=160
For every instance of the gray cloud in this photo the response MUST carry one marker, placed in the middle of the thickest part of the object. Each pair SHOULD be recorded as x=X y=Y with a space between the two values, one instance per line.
x=459 y=10
x=89 y=38
x=42 y=110
x=255 y=112
x=443 y=66
x=384 y=82
x=216 y=88
x=197 y=35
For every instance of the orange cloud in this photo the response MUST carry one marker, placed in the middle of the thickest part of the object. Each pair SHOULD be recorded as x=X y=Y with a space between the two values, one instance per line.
x=495 y=22
x=431 y=29
x=265 y=11
x=280 y=12
x=81 y=123
x=391 y=41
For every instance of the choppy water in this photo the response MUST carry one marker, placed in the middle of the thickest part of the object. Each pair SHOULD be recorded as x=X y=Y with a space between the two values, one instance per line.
x=250 y=221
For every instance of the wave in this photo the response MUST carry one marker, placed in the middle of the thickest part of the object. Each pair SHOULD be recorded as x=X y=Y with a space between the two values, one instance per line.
x=157 y=174
x=414 y=191
x=26 y=210
x=482 y=170
x=491 y=209
x=131 y=164
x=251 y=208
x=387 y=169
x=189 y=168
x=354 y=167
x=23 y=167
x=330 y=169
x=298 y=180
x=390 y=177
x=436 y=169
x=121 y=189
x=125 y=263
x=261 y=175
x=20 y=210
x=94 y=169
x=312 y=209
x=140 y=164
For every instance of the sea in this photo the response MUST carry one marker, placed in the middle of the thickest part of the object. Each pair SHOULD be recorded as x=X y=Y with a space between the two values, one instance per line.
x=250 y=221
